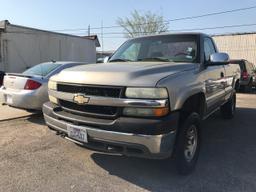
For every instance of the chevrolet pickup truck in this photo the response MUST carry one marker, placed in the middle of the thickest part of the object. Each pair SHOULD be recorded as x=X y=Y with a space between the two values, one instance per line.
x=148 y=100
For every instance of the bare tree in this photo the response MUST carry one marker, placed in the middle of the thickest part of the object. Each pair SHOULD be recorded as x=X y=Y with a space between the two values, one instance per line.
x=142 y=24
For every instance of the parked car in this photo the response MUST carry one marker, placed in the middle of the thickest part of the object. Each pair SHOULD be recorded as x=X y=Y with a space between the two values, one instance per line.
x=248 y=74
x=28 y=90
x=148 y=100
x=2 y=74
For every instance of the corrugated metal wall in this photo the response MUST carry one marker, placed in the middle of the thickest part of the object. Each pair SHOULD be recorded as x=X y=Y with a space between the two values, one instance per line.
x=22 y=48
x=238 y=46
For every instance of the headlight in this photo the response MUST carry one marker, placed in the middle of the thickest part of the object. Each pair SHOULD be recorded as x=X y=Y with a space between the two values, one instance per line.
x=52 y=85
x=146 y=112
x=146 y=93
x=53 y=99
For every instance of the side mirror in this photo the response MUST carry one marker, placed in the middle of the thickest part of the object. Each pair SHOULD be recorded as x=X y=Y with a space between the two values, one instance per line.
x=219 y=59
x=100 y=60
x=105 y=60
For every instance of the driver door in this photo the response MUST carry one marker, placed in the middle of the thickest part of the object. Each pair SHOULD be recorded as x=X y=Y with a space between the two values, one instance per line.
x=214 y=79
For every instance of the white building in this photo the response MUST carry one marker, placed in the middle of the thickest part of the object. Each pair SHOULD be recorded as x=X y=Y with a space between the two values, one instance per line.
x=22 y=47
x=238 y=46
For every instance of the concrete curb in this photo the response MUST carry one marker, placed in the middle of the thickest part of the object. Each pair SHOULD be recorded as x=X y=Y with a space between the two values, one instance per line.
x=20 y=117
x=9 y=113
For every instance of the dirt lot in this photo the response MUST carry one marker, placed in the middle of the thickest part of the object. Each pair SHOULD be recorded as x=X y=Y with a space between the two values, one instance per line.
x=32 y=158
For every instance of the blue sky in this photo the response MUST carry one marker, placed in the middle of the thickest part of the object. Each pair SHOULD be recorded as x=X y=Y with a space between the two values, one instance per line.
x=63 y=14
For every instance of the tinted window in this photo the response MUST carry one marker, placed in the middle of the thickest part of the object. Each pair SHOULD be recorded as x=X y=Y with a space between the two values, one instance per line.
x=41 y=69
x=208 y=48
x=177 y=48
x=248 y=67
x=242 y=65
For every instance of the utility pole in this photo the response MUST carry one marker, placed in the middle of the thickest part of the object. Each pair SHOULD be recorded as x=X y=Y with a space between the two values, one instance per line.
x=89 y=30
x=102 y=39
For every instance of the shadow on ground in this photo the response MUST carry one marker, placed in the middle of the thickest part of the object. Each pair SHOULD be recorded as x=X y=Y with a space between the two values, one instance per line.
x=36 y=119
x=226 y=162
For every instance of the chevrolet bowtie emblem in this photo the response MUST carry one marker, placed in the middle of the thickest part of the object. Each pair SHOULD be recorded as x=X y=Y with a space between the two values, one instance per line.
x=81 y=99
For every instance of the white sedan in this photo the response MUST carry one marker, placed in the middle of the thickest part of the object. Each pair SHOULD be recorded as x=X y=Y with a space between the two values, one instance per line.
x=29 y=90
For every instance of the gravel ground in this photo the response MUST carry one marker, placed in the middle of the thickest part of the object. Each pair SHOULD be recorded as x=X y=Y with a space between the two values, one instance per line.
x=32 y=158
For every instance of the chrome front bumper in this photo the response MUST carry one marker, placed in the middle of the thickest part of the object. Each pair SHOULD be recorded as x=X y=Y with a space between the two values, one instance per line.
x=149 y=146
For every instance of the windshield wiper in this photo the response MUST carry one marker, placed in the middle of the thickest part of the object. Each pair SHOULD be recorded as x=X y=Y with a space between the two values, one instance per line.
x=155 y=59
x=120 y=60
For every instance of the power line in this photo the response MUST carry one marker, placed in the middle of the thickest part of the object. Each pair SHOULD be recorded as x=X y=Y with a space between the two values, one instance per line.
x=167 y=21
x=179 y=30
x=174 y=30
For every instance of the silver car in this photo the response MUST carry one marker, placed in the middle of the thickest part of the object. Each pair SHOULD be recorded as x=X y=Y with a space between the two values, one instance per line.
x=29 y=90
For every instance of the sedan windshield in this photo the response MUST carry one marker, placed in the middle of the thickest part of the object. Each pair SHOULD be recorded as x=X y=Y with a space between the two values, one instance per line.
x=42 y=69
x=165 y=48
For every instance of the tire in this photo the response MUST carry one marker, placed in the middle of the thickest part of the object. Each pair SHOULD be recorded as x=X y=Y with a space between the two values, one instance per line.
x=237 y=86
x=228 y=109
x=248 y=87
x=185 y=158
x=242 y=88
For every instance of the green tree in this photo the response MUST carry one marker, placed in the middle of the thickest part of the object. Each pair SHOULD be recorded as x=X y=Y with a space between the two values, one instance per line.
x=142 y=24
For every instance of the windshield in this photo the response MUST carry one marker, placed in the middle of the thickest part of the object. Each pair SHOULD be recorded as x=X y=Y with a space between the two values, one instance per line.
x=176 y=48
x=42 y=69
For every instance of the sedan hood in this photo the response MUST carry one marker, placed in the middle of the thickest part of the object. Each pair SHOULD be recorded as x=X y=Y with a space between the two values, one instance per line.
x=122 y=74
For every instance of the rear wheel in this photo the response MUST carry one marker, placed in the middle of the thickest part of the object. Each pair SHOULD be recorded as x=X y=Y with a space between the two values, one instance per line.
x=237 y=86
x=188 y=144
x=248 y=88
x=242 y=88
x=228 y=109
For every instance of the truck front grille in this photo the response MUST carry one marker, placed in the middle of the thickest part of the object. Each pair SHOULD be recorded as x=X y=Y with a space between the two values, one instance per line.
x=90 y=90
x=88 y=109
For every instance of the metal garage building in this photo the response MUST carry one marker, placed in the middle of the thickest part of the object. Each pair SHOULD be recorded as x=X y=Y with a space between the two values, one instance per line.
x=22 y=47
x=238 y=46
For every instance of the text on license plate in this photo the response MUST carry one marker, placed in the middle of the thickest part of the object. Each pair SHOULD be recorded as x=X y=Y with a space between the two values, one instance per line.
x=77 y=133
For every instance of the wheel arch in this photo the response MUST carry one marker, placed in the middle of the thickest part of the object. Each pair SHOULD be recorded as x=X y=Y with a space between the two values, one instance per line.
x=194 y=103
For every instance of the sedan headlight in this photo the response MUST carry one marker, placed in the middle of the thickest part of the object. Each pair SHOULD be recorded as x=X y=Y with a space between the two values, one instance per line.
x=52 y=85
x=146 y=93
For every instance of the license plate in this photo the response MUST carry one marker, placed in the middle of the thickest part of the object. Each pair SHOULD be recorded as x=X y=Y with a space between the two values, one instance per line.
x=9 y=99
x=77 y=133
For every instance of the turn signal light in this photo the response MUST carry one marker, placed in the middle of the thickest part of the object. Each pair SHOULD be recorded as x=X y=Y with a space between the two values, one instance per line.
x=159 y=112
x=146 y=112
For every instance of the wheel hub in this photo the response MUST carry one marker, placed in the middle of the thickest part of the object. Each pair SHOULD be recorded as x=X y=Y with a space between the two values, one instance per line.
x=191 y=142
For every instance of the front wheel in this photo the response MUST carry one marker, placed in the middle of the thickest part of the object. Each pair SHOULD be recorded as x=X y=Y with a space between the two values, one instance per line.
x=188 y=144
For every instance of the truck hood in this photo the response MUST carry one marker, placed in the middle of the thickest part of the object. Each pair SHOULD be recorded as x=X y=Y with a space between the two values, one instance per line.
x=122 y=74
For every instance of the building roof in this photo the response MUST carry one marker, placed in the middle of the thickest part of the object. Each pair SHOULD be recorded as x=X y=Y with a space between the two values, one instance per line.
x=5 y=23
x=93 y=37
x=234 y=34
